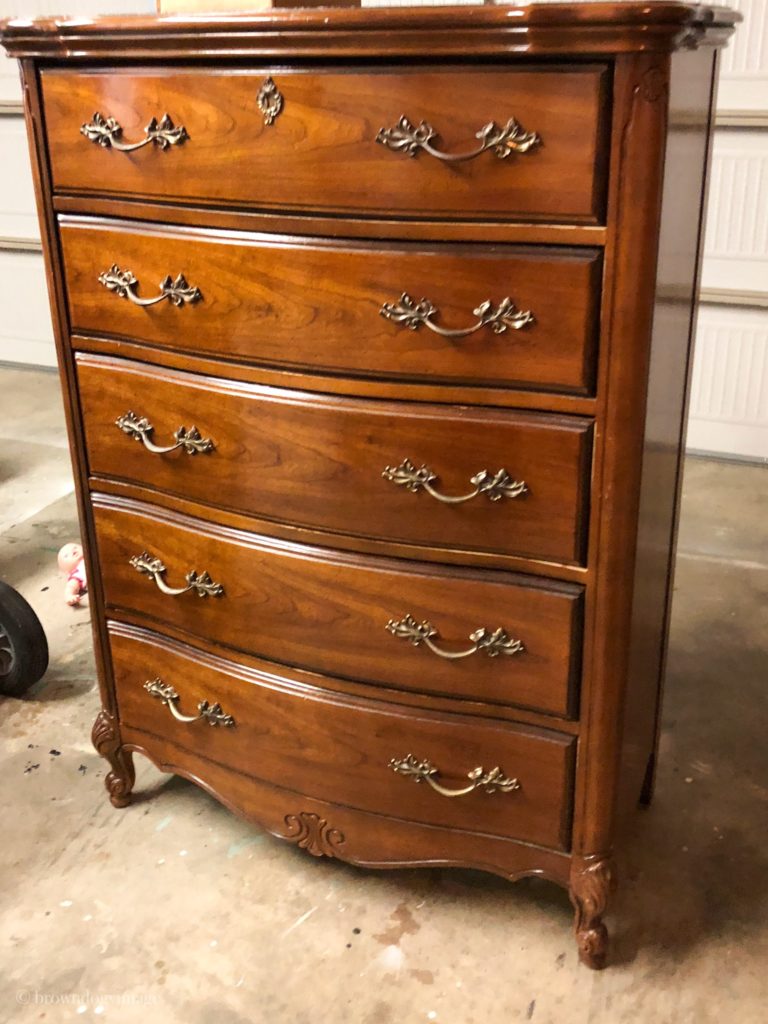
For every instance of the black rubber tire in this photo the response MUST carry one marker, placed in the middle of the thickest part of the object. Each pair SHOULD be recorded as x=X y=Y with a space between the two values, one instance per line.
x=23 y=647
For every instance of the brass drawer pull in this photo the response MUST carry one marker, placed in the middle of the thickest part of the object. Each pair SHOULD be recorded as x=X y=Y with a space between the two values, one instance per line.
x=107 y=132
x=494 y=485
x=408 y=138
x=425 y=771
x=210 y=713
x=153 y=567
x=498 y=318
x=140 y=429
x=124 y=284
x=493 y=643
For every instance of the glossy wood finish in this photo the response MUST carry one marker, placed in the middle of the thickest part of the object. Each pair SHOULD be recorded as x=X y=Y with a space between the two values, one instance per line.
x=305 y=303
x=325 y=383
x=691 y=100
x=322 y=610
x=609 y=684
x=313 y=224
x=318 y=461
x=562 y=29
x=321 y=151
x=335 y=749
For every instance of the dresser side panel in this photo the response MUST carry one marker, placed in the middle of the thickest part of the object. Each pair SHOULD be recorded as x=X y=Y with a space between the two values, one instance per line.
x=634 y=208
x=691 y=103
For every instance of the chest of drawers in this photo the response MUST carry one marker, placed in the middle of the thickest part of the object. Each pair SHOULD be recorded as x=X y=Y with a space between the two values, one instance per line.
x=375 y=331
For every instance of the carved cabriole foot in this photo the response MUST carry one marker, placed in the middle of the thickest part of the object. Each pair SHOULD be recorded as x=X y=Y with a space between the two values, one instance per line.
x=106 y=740
x=590 y=885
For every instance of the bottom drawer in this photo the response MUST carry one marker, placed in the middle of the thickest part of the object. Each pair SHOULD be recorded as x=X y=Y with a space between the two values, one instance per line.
x=505 y=780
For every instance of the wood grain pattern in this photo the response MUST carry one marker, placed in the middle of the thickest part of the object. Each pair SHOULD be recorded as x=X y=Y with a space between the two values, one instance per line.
x=317 y=461
x=595 y=80
x=560 y=30
x=312 y=741
x=324 y=225
x=305 y=303
x=327 y=611
x=321 y=152
x=369 y=840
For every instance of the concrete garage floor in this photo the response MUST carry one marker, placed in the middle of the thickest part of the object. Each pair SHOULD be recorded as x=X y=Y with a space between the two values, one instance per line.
x=175 y=911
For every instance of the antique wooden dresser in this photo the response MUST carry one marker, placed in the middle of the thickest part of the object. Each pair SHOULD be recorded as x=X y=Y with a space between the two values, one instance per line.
x=375 y=330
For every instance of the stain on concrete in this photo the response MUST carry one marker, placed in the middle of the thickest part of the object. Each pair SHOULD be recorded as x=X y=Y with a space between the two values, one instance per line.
x=402 y=923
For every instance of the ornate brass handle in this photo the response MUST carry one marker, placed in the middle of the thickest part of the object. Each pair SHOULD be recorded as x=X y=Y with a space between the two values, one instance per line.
x=140 y=429
x=210 y=713
x=153 y=567
x=479 y=778
x=107 y=132
x=124 y=284
x=498 y=318
x=492 y=642
x=495 y=486
x=408 y=138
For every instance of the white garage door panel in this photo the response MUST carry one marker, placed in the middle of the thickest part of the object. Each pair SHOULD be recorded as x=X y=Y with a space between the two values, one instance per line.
x=25 y=327
x=18 y=216
x=10 y=90
x=736 y=247
x=729 y=397
x=744 y=63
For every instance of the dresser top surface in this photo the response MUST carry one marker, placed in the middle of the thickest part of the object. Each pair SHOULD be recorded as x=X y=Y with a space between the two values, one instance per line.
x=346 y=29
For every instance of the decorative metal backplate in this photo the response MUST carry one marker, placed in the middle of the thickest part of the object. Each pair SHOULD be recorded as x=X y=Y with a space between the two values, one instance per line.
x=414 y=314
x=201 y=583
x=494 y=486
x=210 y=713
x=124 y=284
x=108 y=133
x=270 y=101
x=491 y=642
x=424 y=771
x=140 y=429
x=408 y=138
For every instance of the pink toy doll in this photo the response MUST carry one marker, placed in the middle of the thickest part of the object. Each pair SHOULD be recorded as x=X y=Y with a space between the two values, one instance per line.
x=71 y=562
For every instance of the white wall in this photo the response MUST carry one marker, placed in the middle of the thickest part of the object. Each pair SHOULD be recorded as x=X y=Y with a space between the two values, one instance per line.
x=25 y=327
x=729 y=399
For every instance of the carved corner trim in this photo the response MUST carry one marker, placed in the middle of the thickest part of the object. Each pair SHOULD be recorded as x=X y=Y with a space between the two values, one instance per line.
x=312 y=833
x=591 y=882
x=120 y=779
x=654 y=84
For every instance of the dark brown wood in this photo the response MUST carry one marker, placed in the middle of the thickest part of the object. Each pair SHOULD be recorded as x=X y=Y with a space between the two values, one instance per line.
x=327 y=611
x=563 y=29
x=371 y=387
x=279 y=303
x=338 y=749
x=321 y=152
x=691 y=105
x=343 y=542
x=314 y=224
x=359 y=837
x=319 y=462
x=310 y=586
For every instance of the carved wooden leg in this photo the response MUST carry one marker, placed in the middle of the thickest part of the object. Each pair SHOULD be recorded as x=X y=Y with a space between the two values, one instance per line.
x=106 y=740
x=591 y=882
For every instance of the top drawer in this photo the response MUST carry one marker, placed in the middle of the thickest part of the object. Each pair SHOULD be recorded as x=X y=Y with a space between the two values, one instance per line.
x=333 y=141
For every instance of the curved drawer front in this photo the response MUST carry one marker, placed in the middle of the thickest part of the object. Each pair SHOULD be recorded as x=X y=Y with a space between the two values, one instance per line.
x=376 y=620
x=539 y=132
x=347 y=465
x=512 y=314
x=285 y=731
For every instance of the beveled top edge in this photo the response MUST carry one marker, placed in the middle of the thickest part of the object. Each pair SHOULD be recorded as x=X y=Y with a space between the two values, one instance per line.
x=345 y=30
